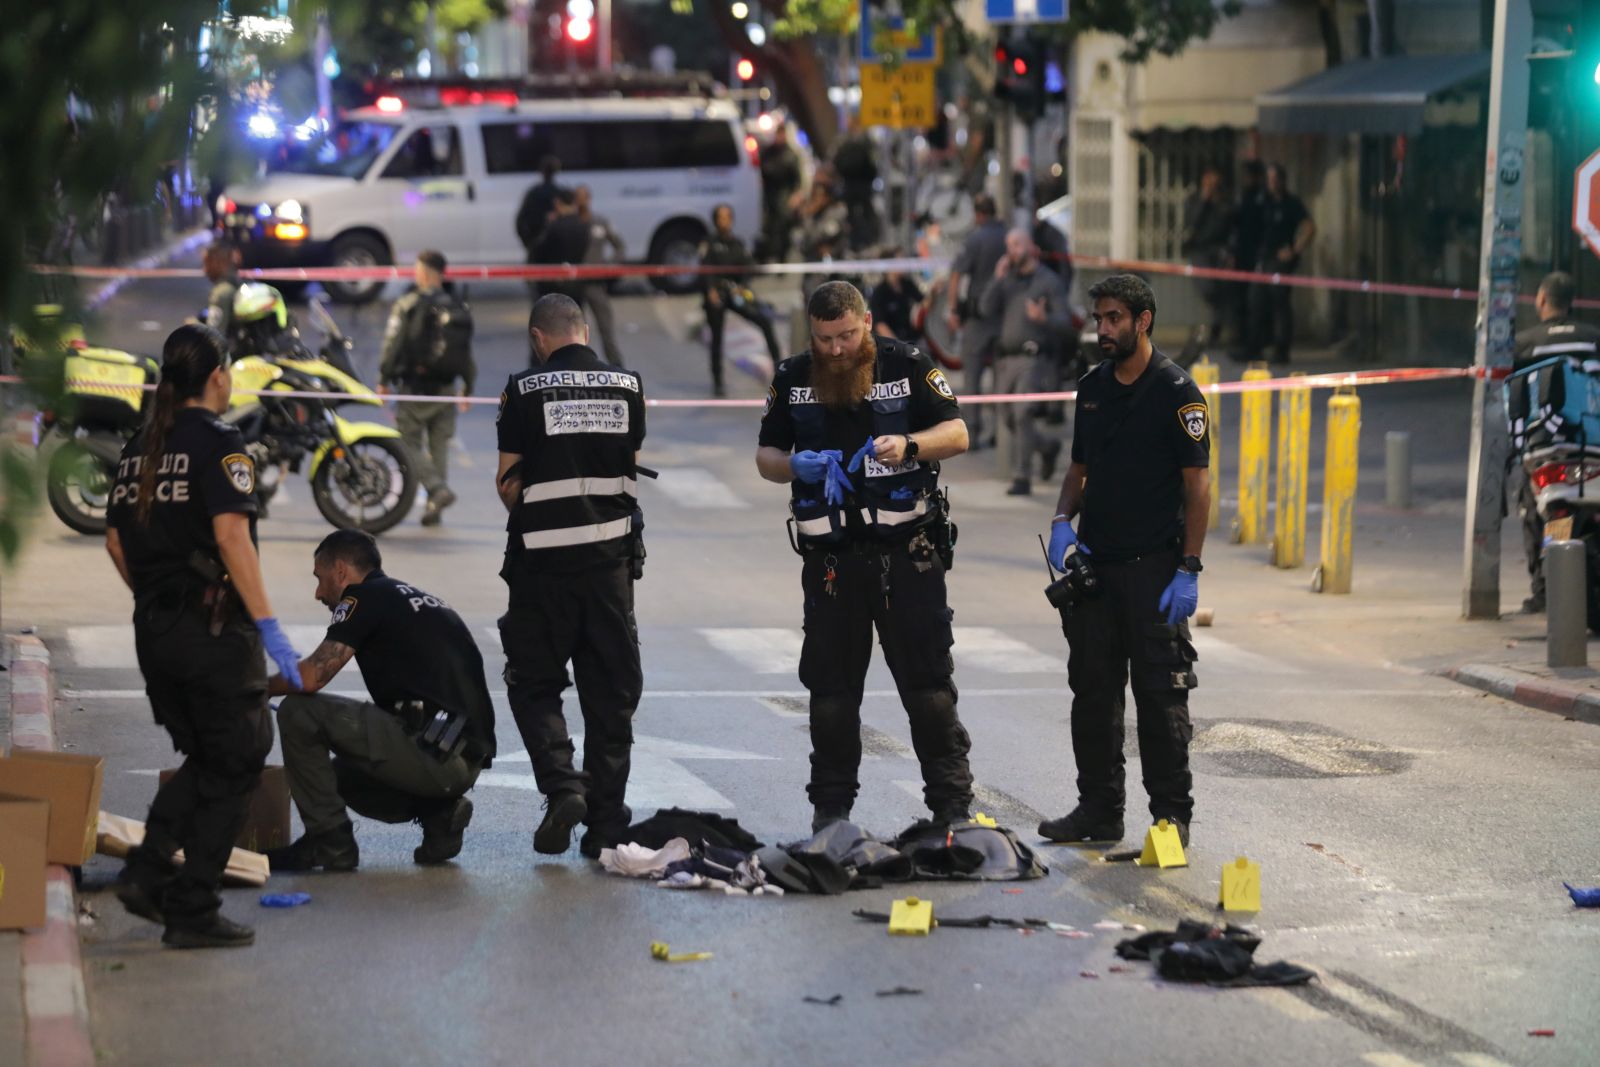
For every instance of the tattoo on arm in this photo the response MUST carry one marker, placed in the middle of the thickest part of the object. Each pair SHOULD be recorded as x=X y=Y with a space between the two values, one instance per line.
x=324 y=663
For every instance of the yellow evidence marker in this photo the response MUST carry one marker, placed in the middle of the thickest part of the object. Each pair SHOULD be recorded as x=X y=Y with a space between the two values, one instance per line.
x=911 y=916
x=1241 y=886
x=983 y=820
x=1162 y=847
x=659 y=951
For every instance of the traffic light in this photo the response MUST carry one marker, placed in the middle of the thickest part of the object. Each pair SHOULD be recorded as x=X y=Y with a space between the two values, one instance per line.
x=745 y=69
x=580 y=21
x=1019 y=77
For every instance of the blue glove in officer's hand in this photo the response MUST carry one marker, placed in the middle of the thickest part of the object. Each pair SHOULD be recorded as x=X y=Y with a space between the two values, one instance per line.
x=811 y=467
x=839 y=485
x=861 y=454
x=1063 y=537
x=1180 y=597
x=280 y=650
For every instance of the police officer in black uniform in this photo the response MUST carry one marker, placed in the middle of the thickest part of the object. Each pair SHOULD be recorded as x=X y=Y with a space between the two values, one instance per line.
x=857 y=427
x=1139 y=485
x=181 y=531
x=1556 y=334
x=723 y=293
x=411 y=753
x=569 y=432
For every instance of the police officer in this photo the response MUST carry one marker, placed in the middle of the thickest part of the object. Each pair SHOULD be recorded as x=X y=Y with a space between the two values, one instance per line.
x=410 y=753
x=722 y=293
x=569 y=433
x=218 y=263
x=857 y=427
x=1138 y=485
x=1557 y=334
x=983 y=249
x=181 y=531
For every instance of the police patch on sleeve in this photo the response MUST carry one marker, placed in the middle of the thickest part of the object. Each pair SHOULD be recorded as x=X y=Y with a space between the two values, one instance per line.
x=343 y=610
x=1193 y=418
x=501 y=410
x=772 y=395
x=941 y=384
x=241 y=471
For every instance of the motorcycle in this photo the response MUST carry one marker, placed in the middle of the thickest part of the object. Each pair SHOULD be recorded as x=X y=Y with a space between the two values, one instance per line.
x=1553 y=413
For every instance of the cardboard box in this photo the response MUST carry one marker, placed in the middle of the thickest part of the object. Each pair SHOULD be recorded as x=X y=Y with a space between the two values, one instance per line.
x=119 y=835
x=70 y=783
x=24 y=825
x=266 y=826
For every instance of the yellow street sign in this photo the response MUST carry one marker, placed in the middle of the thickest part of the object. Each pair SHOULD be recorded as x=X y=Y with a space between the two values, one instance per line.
x=901 y=98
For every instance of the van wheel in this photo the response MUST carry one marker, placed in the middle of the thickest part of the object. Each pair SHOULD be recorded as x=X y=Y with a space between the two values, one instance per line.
x=678 y=245
x=357 y=250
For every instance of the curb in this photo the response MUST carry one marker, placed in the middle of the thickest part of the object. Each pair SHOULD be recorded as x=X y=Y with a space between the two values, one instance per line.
x=55 y=1006
x=1572 y=701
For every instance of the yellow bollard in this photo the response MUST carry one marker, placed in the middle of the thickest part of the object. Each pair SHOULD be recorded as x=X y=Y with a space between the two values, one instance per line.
x=1206 y=375
x=1255 y=442
x=1339 y=493
x=1294 y=447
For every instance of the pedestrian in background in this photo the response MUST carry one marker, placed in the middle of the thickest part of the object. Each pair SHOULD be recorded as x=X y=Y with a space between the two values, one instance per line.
x=855 y=162
x=722 y=292
x=427 y=351
x=1029 y=305
x=220 y=262
x=1287 y=230
x=537 y=204
x=1207 y=242
x=894 y=304
x=596 y=291
x=565 y=242
x=780 y=183
x=983 y=249
x=1249 y=222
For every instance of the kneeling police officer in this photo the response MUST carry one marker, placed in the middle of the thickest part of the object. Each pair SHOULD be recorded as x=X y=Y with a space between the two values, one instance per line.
x=411 y=753
x=875 y=539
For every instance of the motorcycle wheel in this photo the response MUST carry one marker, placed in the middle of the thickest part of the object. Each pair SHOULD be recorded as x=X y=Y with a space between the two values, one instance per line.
x=371 y=488
x=78 y=486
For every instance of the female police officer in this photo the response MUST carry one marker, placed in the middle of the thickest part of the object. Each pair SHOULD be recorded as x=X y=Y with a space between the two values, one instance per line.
x=182 y=535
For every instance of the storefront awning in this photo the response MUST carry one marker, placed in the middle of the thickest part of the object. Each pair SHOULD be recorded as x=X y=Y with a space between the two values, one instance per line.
x=1376 y=96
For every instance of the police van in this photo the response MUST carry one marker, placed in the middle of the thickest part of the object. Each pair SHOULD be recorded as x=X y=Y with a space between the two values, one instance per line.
x=390 y=180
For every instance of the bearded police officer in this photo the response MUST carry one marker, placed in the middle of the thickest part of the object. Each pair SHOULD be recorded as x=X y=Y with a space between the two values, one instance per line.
x=410 y=753
x=1139 y=486
x=181 y=532
x=569 y=432
x=857 y=427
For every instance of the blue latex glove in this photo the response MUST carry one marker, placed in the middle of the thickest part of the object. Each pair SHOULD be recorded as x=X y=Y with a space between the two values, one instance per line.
x=839 y=485
x=1063 y=537
x=1180 y=597
x=279 y=650
x=1584 y=898
x=861 y=455
x=811 y=467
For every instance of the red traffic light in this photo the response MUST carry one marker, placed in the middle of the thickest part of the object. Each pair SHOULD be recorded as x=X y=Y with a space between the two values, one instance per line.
x=1020 y=66
x=745 y=69
x=580 y=30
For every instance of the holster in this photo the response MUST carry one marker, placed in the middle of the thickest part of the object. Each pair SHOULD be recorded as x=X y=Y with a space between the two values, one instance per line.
x=941 y=531
x=636 y=552
x=439 y=732
x=217 y=596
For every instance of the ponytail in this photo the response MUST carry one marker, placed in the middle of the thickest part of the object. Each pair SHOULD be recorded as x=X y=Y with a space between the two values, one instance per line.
x=189 y=356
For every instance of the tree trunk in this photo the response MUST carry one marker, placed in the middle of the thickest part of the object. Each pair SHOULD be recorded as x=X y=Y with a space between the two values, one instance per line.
x=797 y=70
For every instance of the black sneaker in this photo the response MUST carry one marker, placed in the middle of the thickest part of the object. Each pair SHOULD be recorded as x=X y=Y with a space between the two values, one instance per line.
x=1173 y=820
x=1533 y=605
x=442 y=832
x=217 y=931
x=139 y=900
x=1080 y=825
x=1020 y=487
x=825 y=815
x=330 y=850
x=563 y=811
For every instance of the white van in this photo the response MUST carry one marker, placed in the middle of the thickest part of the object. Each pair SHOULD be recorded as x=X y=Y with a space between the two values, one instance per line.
x=391 y=180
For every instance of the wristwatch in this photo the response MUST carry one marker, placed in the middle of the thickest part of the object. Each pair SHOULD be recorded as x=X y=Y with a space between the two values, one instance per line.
x=911 y=447
x=1192 y=564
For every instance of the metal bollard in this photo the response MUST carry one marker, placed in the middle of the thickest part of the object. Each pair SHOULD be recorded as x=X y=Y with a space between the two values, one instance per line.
x=1566 y=595
x=1339 y=492
x=1255 y=442
x=1206 y=375
x=1397 y=469
x=1294 y=448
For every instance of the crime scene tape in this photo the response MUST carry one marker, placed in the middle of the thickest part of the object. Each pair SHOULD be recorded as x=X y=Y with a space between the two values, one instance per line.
x=1267 y=385
x=605 y=271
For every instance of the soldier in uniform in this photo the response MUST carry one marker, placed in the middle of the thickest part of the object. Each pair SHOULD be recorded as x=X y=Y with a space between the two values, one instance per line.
x=181 y=532
x=723 y=293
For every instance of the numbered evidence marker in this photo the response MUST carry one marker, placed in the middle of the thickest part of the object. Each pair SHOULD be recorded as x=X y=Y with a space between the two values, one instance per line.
x=1162 y=847
x=1241 y=886
x=911 y=916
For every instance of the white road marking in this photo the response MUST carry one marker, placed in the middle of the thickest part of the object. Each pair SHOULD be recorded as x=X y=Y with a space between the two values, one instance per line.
x=1217 y=653
x=760 y=650
x=656 y=778
x=692 y=487
x=1389 y=1059
x=988 y=648
x=1478 y=1059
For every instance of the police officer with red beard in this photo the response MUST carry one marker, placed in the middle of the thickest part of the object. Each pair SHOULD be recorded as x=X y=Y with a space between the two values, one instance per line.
x=857 y=427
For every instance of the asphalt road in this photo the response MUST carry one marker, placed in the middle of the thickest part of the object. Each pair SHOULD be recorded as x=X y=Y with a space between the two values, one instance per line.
x=1412 y=834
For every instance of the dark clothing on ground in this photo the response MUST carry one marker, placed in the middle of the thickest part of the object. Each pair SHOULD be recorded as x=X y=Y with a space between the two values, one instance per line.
x=893 y=306
x=699 y=828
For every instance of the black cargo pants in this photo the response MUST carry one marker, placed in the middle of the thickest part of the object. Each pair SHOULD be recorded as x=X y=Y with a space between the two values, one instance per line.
x=1117 y=634
x=585 y=618
x=210 y=693
x=882 y=586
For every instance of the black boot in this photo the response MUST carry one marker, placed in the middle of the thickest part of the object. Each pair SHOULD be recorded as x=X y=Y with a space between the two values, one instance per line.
x=215 y=930
x=825 y=815
x=442 y=832
x=1081 y=825
x=563 y=811
x=331 y=850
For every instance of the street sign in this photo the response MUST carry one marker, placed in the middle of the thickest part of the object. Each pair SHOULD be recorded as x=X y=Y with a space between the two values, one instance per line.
x=923 y=49
x=1586 y=203
x=1026 y=10
x=901 y=99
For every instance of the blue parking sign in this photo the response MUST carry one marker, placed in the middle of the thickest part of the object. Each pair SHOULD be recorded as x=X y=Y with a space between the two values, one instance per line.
x=924 y=50
x=1026 y=10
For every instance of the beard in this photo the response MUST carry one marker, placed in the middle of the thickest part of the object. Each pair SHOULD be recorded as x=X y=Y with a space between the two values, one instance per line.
x=1120 y=348
x=843 y=383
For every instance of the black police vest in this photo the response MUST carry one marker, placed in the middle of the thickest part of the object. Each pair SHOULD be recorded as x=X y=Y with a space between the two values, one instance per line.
x=888 y=503
x=579 y=480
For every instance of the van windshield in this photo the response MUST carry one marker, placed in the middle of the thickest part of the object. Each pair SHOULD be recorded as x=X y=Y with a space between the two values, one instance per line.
x=345 y=151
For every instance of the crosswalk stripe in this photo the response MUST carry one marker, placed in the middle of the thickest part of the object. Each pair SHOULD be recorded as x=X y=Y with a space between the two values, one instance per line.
x=1478 y=1059
x=1215 y=654
x=1389 y=1059
x=988 y=648
x=760 y=650
x=692 y=487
